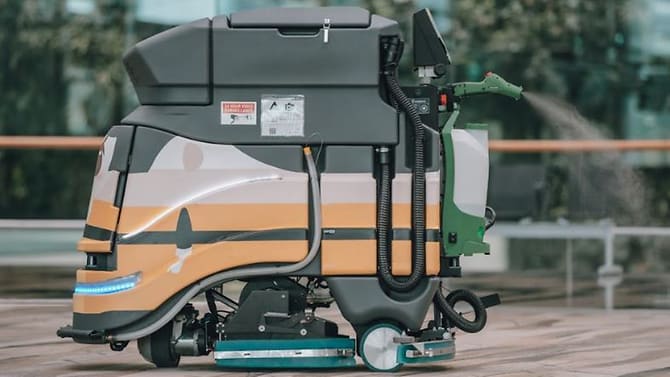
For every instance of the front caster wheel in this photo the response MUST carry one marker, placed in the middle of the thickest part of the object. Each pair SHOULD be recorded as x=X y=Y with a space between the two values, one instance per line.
x=378 y=350
x=158 y=348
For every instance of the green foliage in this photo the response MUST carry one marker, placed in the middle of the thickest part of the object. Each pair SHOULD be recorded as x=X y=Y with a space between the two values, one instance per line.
x=574 y=49
x=578 y=51
x=571 y=49
x=39 y=47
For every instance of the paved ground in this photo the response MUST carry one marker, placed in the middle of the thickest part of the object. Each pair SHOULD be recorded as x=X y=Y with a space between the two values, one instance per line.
x=518 y=342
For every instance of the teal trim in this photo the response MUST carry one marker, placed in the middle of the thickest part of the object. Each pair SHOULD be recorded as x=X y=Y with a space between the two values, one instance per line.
x=283 y=344
x=286 y=362
x=402 y=353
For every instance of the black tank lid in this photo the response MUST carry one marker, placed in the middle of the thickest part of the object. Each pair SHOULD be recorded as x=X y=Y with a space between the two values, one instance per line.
x=340 y=17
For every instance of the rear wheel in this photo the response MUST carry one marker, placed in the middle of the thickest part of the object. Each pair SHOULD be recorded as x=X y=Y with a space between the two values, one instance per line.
x=377 y=348
x=158 y=348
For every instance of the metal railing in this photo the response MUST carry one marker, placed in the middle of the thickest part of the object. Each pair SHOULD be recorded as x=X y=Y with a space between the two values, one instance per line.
x=27 y=242
x=503 y=146
x=51 y=142
x=609 y=274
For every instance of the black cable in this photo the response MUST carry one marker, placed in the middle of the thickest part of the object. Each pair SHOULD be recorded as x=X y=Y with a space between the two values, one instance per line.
x=211 y=303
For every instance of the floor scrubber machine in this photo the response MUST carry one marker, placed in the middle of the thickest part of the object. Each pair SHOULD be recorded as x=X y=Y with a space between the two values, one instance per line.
x=276 y=148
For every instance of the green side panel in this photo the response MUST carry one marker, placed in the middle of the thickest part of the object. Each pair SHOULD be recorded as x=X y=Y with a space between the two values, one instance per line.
x=476 y=126
x=462 y=234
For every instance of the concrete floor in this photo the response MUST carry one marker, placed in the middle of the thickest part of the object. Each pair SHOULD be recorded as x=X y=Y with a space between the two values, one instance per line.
x=517 y=342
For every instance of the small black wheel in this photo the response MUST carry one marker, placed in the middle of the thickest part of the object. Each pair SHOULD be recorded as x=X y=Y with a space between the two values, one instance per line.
x=158 y=348
x=118 y=346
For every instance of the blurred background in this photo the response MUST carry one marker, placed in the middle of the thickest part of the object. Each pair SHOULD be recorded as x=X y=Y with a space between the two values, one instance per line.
x=584 y=228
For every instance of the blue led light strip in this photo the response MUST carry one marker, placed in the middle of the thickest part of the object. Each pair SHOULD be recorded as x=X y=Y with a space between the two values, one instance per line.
x=108 y=286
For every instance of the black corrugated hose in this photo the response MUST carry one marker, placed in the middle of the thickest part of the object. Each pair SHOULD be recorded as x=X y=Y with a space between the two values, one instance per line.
x=393 y=52
x=446 y=307
x=393 y=47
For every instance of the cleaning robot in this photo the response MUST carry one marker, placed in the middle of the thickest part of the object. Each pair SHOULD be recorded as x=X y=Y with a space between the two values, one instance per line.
x=276 y=148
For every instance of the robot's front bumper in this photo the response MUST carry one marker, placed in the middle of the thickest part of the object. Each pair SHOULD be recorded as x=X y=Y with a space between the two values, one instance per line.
x=91 y=321
x=82 y=336
x=91 y=328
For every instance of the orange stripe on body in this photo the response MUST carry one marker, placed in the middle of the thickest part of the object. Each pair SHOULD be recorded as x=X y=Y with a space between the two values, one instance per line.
x=402 y=258
x=359 y=257
x=364 y=215
x=129 y=260
x=217 y=217
x=402 y=215
x=349 y=257
x=157 y=284
x=349 y=215
x=102 y=214
x=94 y=246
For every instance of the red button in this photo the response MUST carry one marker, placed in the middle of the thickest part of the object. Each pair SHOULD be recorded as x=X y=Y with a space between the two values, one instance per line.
x=443 y=100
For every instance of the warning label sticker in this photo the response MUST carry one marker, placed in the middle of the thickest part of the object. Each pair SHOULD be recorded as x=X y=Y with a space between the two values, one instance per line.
x=282 y=115
x=238 y=113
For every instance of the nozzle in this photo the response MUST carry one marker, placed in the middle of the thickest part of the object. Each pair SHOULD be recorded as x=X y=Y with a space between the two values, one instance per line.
x=498 y=85
x=492 y=83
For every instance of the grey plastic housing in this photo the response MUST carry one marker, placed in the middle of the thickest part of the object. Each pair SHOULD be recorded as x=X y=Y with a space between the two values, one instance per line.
x=182 y=76
x=172 y=67
x=301 y=17
x=363 y=301
x=266 y=57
